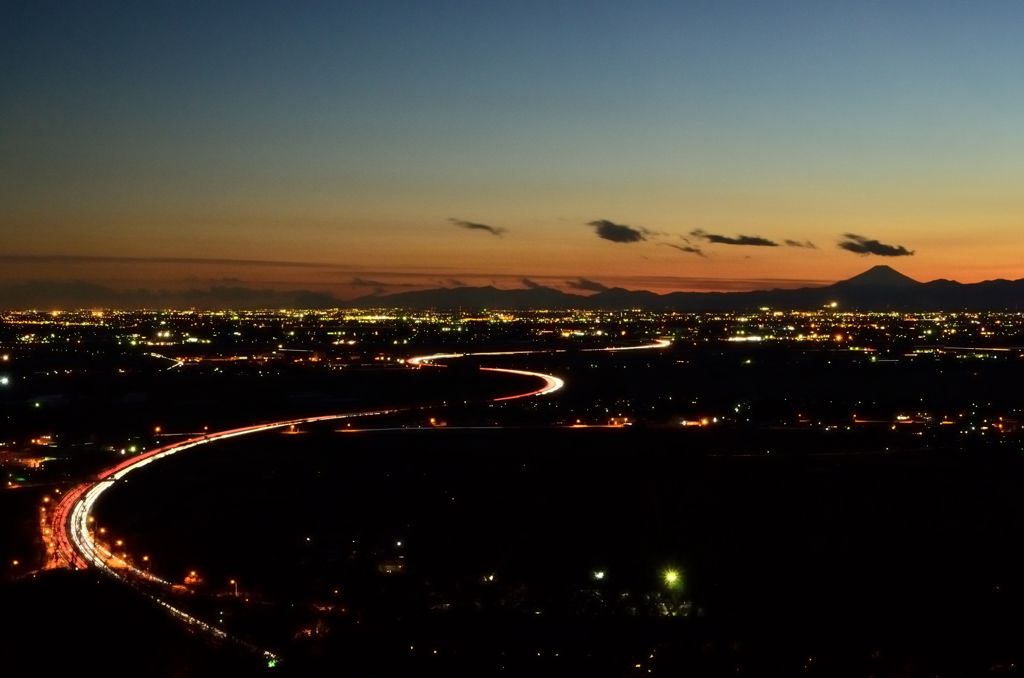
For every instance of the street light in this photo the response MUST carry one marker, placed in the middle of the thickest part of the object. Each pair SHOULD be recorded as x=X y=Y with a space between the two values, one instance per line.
x=673 y=579
x=235 y=584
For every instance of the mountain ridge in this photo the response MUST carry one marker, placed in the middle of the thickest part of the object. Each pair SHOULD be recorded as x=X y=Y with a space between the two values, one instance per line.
x=880 y=288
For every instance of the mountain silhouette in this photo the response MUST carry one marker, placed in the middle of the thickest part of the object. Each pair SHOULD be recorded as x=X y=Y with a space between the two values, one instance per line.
x=880 y=288
x=880 y=276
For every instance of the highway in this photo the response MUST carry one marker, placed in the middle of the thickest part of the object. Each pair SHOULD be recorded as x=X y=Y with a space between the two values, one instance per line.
x=71 y=516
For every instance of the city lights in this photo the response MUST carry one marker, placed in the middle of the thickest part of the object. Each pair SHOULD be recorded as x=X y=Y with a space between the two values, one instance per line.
x=704 y=377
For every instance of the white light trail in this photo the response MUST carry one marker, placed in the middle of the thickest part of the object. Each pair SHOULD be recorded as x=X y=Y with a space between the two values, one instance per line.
x=551 y=384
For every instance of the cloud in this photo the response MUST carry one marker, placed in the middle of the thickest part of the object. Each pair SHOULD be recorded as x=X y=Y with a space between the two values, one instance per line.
x=362 y=282
x=377 y=286
x=796 y=243
x=454 y=283
x=586 y=285
x=80 y=294
x=752 y=240
x=673 y=283
x=608 y=230
x=533 y=285
x=74 y=258
x=858 y=244
x=685 y=248
x=493 y=230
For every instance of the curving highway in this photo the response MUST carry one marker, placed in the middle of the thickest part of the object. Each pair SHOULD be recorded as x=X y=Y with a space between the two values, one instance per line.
x=71 y=516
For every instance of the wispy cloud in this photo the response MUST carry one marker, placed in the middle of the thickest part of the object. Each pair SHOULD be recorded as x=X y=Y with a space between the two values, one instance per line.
x=751 y=240
x=363 y=282
x=796 y=243
x=608 y=230
x=473 y=226
x=72 y=258
x=685 y=248
x=376 y=286
x=80 y=294
x=586 y=285
x=858 y=244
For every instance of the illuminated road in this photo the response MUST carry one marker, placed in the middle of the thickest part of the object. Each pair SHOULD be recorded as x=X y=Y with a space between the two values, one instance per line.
x=550 y=383
x=71 y=517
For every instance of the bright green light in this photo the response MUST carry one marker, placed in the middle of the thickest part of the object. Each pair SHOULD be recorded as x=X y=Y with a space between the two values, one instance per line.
x=673 y=579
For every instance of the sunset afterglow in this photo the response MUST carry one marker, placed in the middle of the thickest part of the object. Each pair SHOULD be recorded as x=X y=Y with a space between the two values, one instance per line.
x=350 y=148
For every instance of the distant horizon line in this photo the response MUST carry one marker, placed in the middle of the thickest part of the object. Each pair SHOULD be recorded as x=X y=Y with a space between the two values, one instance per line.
x=354 y=278
x=78 y=289
x=398 y=271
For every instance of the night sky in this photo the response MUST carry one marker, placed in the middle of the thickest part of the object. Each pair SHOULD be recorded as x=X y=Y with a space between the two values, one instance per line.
x=351 y=147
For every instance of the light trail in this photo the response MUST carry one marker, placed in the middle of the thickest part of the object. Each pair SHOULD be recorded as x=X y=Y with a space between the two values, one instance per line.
x=177 y=363
x=71 y=517
x=75 y=543
x=658 y=343
x=551 y=383
x=429 y=359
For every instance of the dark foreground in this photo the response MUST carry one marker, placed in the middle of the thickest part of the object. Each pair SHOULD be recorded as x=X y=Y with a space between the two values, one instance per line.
x=543 y=551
